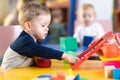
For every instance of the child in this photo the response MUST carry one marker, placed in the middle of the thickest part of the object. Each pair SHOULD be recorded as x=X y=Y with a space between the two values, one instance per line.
x=34 y=19
x=88 y=25
x=57 y=29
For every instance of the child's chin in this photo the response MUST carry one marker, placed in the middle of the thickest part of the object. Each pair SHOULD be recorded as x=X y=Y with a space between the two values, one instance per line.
x=40 y=38
x=43 y=38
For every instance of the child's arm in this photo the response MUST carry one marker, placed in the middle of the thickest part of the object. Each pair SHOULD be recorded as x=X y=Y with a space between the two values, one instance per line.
x=69 y=58
x=25 y=45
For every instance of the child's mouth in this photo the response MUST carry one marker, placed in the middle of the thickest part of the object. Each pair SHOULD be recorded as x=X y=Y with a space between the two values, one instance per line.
x=46 y=34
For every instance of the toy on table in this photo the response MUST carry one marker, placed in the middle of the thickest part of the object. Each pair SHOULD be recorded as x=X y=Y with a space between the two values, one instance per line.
x=110 y=51
x=68 y=44
x=112 y=72
x=59 y=76
x=94 y=47
x=114 y=63
x=87 y=40
x=116 y=73
x=77 y=77
x=111 y=57
x=108 y=71
x=45 y=76
x=42 y=62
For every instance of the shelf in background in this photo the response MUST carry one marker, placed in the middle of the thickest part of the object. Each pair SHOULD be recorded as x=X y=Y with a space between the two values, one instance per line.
x=57 y=3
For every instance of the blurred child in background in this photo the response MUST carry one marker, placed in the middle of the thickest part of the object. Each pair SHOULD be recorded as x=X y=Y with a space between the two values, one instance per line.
x=88 y=26
x=57 y=27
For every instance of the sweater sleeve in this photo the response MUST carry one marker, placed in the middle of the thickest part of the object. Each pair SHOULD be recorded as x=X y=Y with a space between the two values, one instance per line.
x=42 y=51
x=26 y=46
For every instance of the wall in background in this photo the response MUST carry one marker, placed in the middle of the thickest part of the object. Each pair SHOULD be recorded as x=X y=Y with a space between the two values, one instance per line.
x=5 y=7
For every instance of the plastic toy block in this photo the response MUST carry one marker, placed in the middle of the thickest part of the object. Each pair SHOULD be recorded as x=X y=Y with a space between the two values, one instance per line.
x=108 y=71
x=71 y=53
x=87 y=40
x=69 y=77
x=77 y=77
x=112 y=63
x=60 y=76
x=54 y=78
x=116 y=73
x=110 y=59
x=68 y=44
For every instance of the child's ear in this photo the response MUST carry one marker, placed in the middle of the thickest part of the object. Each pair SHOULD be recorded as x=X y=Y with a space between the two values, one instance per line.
x=27 y=25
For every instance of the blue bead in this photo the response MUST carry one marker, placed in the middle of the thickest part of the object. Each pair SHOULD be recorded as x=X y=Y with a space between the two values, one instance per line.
x=44 y=76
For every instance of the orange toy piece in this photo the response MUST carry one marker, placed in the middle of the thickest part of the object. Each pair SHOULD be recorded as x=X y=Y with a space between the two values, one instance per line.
x=60 y=76
x=110 y=51
x=43 y=62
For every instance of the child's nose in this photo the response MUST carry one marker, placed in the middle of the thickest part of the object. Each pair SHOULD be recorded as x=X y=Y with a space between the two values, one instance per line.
x=47 y=29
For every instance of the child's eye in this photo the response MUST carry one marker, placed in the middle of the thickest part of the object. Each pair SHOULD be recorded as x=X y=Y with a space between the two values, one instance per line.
x=43 y=25
x=90 y=16
x=84 y=16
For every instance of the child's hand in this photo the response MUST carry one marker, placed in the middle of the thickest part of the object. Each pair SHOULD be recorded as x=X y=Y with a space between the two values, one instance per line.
x=71 y=59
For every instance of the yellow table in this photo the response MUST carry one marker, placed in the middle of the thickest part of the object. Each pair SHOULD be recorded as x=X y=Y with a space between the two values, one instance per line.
x=89 y=69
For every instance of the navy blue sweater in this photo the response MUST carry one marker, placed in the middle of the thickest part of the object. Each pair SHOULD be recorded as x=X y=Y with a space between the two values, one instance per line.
x=25 y=45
